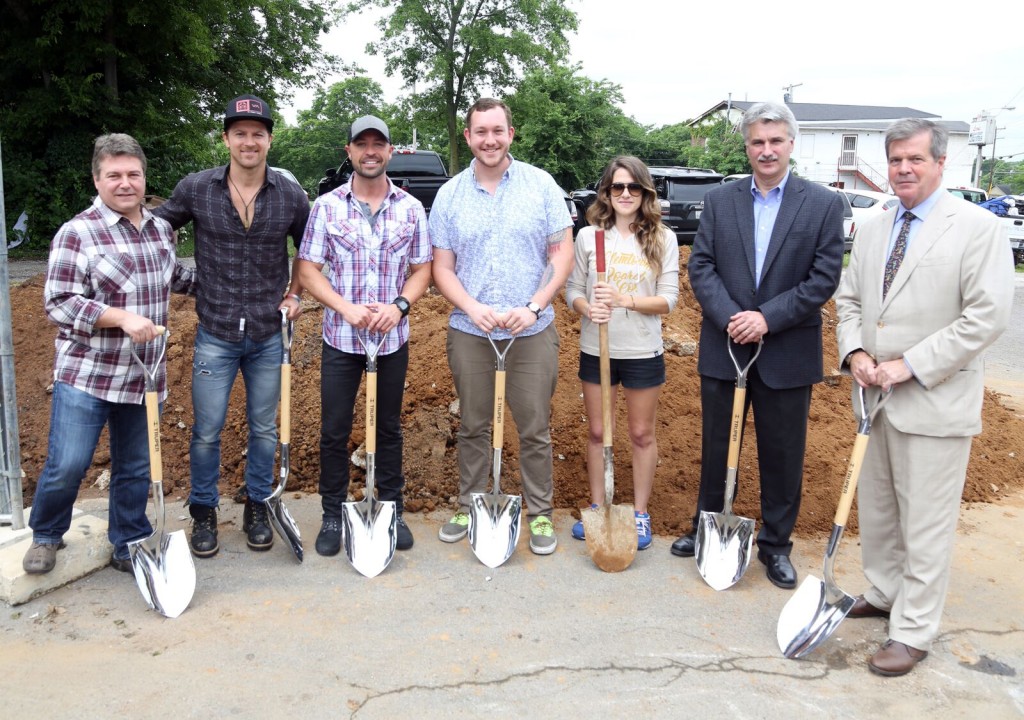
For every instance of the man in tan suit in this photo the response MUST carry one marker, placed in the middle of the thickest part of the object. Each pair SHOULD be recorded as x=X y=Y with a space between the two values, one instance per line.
x=923 y=296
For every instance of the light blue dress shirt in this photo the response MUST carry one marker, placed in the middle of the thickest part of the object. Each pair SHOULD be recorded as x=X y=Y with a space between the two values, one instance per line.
x=766 y=210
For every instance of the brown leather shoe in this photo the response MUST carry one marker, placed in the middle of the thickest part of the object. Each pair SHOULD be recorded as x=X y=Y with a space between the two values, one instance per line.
x=894 y=659
x=863 y=609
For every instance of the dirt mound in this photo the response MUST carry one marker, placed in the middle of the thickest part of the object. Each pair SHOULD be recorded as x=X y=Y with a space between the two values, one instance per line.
x=430 y=424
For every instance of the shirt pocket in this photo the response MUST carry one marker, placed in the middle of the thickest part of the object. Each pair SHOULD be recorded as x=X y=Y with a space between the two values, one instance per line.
x=344 y=237
x=114 y=274
x=399 y=237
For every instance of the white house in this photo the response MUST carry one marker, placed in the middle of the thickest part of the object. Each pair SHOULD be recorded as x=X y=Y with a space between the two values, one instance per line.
x=846 y=143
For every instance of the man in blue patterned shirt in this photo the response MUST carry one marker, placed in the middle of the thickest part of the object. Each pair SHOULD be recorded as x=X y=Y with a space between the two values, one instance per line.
x=371 y=235
x=242 y=215
x=502 y=249
x=108 y=283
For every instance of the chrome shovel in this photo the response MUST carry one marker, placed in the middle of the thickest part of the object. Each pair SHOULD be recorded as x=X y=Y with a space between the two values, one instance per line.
x=162 y=563
x=369 y=527
x=818 y=607
x=724 y=541
x=280 y=518
x=494 y=518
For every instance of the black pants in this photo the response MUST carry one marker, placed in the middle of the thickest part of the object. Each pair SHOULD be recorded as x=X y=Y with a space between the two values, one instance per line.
x=340 y=375
x=780 y=421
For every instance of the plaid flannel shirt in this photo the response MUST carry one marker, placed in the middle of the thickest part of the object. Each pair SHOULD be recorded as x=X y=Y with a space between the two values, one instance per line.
x=243 y=274
x=98 y=260
x=367 y=264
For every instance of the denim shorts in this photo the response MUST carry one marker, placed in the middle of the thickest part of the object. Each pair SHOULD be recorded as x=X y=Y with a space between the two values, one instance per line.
x=633 y=373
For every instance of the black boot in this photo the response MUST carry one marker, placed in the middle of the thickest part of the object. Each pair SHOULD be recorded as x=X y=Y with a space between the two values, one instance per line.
x=256 y=526
x=204 y=531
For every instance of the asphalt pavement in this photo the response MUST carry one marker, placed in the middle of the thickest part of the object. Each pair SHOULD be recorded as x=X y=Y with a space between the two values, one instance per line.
x=439 y=635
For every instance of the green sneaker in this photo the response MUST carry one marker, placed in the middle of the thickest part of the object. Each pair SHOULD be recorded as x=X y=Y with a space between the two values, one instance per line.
x=542 y=536
x=455 y=529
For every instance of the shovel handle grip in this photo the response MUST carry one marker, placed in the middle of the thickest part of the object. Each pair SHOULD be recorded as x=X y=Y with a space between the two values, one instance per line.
x=499 y=410
x=156 y=467
x=599 y=261
x=739 y=399
x=860 y=447
x=286 y=404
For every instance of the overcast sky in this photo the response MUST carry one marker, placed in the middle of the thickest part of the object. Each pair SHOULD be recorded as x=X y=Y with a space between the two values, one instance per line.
x=676 y=59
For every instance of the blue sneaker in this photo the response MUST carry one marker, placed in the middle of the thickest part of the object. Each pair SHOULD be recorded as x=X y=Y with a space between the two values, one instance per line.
x=577 y=529
x=643 y=530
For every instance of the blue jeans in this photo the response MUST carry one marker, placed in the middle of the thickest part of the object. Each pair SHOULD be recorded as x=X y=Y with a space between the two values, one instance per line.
x=76 y=420
x=214 y=367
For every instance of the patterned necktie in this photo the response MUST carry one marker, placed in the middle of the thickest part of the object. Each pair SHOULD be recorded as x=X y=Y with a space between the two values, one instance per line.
x=898 y=251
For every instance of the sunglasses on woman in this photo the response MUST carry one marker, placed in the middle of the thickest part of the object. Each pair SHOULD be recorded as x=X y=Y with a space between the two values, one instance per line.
x=635 y=189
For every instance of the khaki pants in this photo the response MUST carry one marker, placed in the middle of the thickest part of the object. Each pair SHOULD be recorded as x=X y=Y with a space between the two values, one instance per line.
x=531 y=375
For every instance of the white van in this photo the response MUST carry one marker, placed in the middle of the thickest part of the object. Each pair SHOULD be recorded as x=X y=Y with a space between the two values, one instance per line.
x=970 y=194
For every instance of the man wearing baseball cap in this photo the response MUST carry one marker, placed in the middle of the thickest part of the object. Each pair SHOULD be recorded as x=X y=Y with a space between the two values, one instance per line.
x=371 y=234
x=242 y=214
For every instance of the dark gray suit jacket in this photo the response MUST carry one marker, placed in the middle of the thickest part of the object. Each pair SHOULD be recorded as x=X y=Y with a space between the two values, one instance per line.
x=800 y=273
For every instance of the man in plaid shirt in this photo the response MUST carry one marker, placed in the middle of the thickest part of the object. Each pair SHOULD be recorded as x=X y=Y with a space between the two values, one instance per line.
x=242 y=215
x=372 y=235
x=111 y=271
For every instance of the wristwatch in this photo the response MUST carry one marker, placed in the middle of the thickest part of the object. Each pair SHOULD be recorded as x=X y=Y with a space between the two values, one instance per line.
x=534 y=308
x=403 y=305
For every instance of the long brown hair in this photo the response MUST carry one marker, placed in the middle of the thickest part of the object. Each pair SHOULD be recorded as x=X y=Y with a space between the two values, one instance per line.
x=647 y=227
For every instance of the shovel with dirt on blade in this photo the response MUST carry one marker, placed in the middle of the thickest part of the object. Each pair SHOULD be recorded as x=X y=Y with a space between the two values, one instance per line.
x=819 y=606
x=724 y=540
x=162 y=563
x=610 y=530
x=280 y=518
x=369 y=528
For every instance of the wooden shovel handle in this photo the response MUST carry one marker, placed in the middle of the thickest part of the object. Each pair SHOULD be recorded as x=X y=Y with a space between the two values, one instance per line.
x=371 y=412
x=156 y=466
x=860 y=447
x=739 y=399
x=498 y=433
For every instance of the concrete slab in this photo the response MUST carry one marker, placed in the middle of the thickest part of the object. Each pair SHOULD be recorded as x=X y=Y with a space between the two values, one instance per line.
x=87 y=551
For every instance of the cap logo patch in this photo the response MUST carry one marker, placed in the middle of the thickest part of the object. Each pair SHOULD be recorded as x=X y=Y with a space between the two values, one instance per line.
x=249 y=106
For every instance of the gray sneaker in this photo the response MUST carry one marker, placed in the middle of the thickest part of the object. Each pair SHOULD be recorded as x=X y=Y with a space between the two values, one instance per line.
x=41 y=558
x=455 y=529
x=542 y=536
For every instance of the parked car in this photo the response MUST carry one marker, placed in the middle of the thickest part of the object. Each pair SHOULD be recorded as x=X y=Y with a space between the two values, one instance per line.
x=681 y=192
x=848 y=226
x=576 y=210
x=868 y=203
x=970 y=194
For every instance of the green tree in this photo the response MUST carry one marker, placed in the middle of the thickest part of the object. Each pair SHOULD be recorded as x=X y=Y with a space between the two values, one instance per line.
x=160 y=71
x=569 y=125
x=318 y=140
x=459 y=48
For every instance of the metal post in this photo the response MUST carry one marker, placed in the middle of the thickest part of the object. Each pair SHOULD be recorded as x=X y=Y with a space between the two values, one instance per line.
x=11 y=507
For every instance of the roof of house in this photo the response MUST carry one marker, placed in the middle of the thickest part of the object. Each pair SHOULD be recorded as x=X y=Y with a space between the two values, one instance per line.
x=842 y=116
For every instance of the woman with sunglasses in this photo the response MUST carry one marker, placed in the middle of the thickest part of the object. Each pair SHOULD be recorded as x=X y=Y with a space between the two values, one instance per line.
x=642 y=284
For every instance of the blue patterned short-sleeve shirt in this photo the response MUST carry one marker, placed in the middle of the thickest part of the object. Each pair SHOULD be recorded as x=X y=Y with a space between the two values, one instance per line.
x=500 y=241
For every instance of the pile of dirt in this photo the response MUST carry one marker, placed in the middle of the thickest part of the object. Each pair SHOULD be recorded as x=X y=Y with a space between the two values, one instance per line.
x=430 y=423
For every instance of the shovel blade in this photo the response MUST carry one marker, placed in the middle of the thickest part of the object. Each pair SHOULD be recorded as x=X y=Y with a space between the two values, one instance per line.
x=722 y=549
x=611 y=536
x=370 y=531
x=284 y=524
x=494 y=523
x=164 y=571
x=810 y=617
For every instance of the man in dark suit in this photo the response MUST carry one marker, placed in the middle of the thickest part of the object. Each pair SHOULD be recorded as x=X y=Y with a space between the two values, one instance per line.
x=768 y=254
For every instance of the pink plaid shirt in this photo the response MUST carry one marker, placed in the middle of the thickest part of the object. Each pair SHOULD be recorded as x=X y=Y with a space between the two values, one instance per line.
x=367 y=264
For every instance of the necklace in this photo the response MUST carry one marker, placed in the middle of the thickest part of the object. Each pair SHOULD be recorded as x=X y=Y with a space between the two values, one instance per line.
x=246 y=220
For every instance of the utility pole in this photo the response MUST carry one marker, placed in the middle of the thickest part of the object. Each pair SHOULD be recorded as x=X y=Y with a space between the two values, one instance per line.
x=788 y=97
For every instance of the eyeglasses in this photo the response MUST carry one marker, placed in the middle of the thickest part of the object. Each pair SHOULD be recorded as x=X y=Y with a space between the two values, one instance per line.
x=635 y=189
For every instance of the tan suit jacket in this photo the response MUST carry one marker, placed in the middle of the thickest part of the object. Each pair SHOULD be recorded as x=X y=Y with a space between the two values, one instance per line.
x=950 y=299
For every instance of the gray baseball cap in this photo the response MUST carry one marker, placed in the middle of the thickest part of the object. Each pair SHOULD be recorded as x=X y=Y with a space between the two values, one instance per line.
x=368 y=122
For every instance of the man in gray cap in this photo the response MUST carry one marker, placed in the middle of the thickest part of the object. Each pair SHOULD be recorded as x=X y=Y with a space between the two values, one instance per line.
x=242 y=214
x=373 y=236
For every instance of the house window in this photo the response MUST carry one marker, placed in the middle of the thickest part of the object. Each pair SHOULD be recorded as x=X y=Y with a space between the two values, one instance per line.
x=849 y=157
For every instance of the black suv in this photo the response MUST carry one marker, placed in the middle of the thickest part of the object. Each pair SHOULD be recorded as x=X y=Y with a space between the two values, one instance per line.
x=681 y=193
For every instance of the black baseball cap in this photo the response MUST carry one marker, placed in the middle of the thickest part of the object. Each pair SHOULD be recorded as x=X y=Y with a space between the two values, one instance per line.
x=248 y=107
